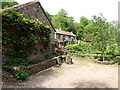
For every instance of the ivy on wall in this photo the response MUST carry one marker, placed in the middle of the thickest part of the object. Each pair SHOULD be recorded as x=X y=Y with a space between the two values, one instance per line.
x=23 y=34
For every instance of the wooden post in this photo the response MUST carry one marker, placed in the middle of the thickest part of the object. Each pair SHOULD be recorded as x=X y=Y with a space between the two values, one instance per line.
x=59 y=61
x=69 y=60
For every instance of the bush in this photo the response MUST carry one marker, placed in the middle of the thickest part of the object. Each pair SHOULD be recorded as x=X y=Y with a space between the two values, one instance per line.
x=101 y=56
x=78 y=47
x=116 y=60
x=21 y=75
x=16 y=62
x=50 y=55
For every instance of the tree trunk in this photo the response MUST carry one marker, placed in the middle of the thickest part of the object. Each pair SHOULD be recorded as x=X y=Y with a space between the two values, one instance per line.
x=103 y=57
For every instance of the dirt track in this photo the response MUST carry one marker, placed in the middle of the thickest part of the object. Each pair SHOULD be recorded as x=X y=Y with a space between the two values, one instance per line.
x=81 y=74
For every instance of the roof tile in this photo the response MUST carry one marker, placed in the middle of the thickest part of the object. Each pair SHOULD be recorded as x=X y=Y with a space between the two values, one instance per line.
x=64 y=32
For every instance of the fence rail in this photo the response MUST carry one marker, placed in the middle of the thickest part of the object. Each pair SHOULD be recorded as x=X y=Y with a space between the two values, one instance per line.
x=86 y=53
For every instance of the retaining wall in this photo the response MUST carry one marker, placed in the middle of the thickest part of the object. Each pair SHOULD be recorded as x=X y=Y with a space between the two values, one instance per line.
x=32 y=69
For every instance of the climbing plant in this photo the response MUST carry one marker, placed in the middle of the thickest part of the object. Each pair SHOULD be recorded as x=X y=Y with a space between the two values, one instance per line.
x=23 y=34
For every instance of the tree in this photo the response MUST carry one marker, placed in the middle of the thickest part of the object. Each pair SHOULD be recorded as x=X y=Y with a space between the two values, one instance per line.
x=83 y=23
x=114 y=43
x=49 y=15
x=61 y=20
x=88 y=32
x=118 y=39
x=103 y=34
x=77 y=27
x=62 y=12
x=8 y=3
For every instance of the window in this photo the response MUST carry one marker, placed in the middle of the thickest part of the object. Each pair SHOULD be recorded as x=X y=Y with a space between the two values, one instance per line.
x=58 y=36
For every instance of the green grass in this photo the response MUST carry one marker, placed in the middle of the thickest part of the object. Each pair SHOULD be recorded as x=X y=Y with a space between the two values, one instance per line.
x=116 y=60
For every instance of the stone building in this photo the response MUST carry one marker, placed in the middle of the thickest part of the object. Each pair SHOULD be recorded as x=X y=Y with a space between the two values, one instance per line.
x=65 y=38
x=33 y=10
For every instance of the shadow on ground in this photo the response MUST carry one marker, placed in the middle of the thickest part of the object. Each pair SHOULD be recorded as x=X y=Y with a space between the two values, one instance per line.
x=37 y=78
x=90 y=84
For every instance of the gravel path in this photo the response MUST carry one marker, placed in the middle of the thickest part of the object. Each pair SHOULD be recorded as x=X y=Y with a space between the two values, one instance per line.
x=81 y=74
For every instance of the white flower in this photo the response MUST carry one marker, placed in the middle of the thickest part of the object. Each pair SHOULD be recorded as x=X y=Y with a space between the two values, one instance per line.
x=15 y=68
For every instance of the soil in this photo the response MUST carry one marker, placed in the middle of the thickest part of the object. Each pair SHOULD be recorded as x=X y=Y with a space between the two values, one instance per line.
x=83 y=73
x=104 y=60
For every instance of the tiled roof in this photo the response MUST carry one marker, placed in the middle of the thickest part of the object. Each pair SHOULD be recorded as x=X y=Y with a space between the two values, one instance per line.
x=64 y=32
x=18 y=6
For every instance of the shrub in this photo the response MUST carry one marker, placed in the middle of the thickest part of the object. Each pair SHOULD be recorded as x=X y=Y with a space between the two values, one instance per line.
x=16 y=62
x=101 y=56
x=116 y=60
x=78 y=47
x=34 y=62
x=21 y=75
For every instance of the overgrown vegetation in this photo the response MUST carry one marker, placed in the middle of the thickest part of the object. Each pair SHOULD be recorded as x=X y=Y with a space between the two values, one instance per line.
x=12 y=62
x=79 y=47
x=84 y=50
x=21 y=75
x=23 y=34
x=16 y=62
x=8 y=3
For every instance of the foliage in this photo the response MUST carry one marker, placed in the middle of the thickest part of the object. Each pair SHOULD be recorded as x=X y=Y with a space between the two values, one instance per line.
x=23 y=34
x=118 y=39
x=62 y=12
x=103 y=34
x=8 y=3
x=16 y=62
x=88 y=32
x=51 y=55
x=78 y=47
x=116 y=60
x=49 y=16
x=83 y=22
x=61 y=20
x=75 y=47
x=81 y=31
x=21 y=75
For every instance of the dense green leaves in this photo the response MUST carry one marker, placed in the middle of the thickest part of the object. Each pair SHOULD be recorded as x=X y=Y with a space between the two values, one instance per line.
x=78 y=47
x=65 y=23
x=8 y=3
x=23 y=34
x=21 y=75
x=61 y=20
x=16 y=62
x=103 y=35
x=63 y=13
